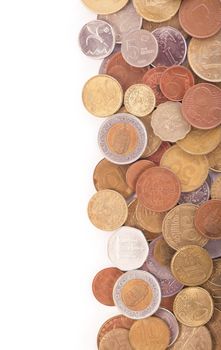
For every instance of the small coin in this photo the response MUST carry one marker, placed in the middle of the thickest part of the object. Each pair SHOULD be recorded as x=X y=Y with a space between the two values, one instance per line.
x=102 y=95
x=171 y=321
x=151 y=333
x=127 y=248
x=167 y=302
x=154 y=141
x=216 y=189
x=114 y=338
x=214 y=328
x=214 y=159
x=156 y=157
x=103 y=66
x=137 y=294
x=105 y=7
x=200 y=18
x=172 y=47
x=107 y=210
x=135 y=170
x=213 y=247
x=150 y=220
x=192 y=265
x=197 y=197
x=139 y=100
x=122 y=138
x=193 y=306
x=178 y=227
x=152 y=78
x=139 y=48
x=168 y=123
x=103 y=284
x=192 y=170
x=208 y=219
x=157 y=10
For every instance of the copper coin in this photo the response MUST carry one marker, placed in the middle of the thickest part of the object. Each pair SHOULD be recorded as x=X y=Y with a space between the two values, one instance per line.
x=175 y=81
x=200 y=18
x=156 y=157
x=214 y=327
x=135 y=170
x=208 y=219
x=103 y=66
x=167 y=302
x=115 y=339
x=201 y=106
x=152 y=78
x=158 y=189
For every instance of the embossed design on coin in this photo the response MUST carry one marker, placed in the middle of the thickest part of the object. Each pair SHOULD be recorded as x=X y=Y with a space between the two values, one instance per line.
x=169 y=287
x=214 y=328
x=152 y=78
x=208 y=219
x=135 y=170
x=214 y=159
x=216 y=189
x=139 y=100
x=154 y=141
x=105 y=7
x=171 y=321
x=115 y=338
x=156 y=157
x=150 y=220
x=197 y=197
x=157 y=10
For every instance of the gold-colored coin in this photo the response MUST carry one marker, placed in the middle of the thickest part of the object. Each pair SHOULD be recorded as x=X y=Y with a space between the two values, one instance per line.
x=102 y=95
x=204 y=57
x=214 y=328
x=139 y=100
x=112 y=339
x=148 y=219
x=213 y=285
x=153 y=142
x=192 y=265
x=178 y=227
x=163 y=253
x=193 y=306
x=216 y=188
x=151 y=333
x=214 y=159
x=157 y=10
x=200 y=141
x=192 y=170
x=107 y=210
x=136 y=294
x=105 y=7
x=193 y=338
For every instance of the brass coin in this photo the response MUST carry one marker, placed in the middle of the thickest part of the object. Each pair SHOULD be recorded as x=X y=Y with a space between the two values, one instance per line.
x=214 y=328
x=192 y=170
x=216 y=188
x=105 y=7
x=154 y=141
x=148 y=219
x=163 y=253
x=213 y=285
x=139 y=100
x=136 y=295
x=151 y=333
x=193 y=306
x=157 y=10
x=107 y=210
x=178 y=227
x=102 y=95
x=118 y=337
x=193 y=338
x=214 y=159
x=192 y=265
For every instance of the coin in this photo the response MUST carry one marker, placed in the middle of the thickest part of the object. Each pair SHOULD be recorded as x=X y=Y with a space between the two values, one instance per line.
x=175 y=81
x=193 y=338
x=208 y=219
x=169 y=287
x=214 y=159
x=103 y=66
x=157 y=10
x=197 y=197
x=213 y=175
x=150 y=220
x=105 y=7
x=135 y=170
x=216 y=189
x=124 y=21
x=107 y=210
x=139 y=100
x=201 y=106
x=200 y=18
x=215 y=278
x=140 y=288
x=127 y=248
x=115 y=338
x=102 y=95
x=193 y=306
x=172 y=47
x=204 y=57
x=154 y=141
x=152 y=78
x=191 y=170
x=144 y=334
x=158 y=189
x=168 y=123
x=214 y=328
x=103 y=284
x=139 y=48
x=213 y=247
x=167 y=302
x=191 y=265
x=156 y=157
x=171 y=321
x=178 y=227
x=122 y=138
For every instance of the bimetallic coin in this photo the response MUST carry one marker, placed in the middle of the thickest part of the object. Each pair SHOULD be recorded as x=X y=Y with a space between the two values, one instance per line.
x=150 y=220
x=214 y=328
x=105 y=7
x=213 y=247
x=214 y=159
x=157 y=10
x=135 y=170
x=152 y=78
x=171 y=321
x=139 y=100
x=113 y=338
x=122 y=138
x=193 y=338
x=208 y=219
x=137 y=294
x=216 y=189
x=197 y=197
x=127 y=248
x=154 y=141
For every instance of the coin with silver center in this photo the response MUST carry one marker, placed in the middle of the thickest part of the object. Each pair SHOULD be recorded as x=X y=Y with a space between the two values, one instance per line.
x=152 y=284
x=171 y=321
x=127 y=248
x=197 y=197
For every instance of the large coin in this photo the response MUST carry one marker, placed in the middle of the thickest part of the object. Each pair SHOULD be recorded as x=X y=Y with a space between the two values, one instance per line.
x=171 y=321
x=214 y=327
x=139 y=100
x=208 y=219
x=193 y=338
x=135 y=170
x=113 y=338
x=157 y=10
x=105 y=7
x=214 y=159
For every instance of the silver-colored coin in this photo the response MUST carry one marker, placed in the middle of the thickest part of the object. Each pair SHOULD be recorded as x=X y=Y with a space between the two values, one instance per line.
x=124 y=21
x=139 y=48
x=127 y=248
x=171 y=321
x=153 y=284
x=213 y=175
x=213 y=247
x=97 y=39
x=122 y=138
x=197 y=197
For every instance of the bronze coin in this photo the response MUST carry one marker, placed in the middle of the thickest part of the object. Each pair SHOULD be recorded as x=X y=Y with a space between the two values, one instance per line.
x=117 y=338
x=156 y=157
x=208 y=219
x=213 y=285
x=135 y=170
x=167 y=302
x=214 y=326
x=152 y=78
x=137 y=295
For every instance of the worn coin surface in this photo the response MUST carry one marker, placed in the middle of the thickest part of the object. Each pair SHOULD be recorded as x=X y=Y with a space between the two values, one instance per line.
x=139 y=100
x=156 y=157
x=157 y=10
x=171 y=321
x=214 y=328
x=150 y=220
x=104 y=7
x=115 y=338
x=214 y=248
x=197 y=197
x=208 y=219
x=214 y=159
x=107 y=210
x=152 y=78
x=135 y=170
x=154 y=141
x=169 y=287
x=216 y=189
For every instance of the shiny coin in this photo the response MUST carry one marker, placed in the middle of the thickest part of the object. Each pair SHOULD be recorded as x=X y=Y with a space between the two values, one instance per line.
x=214 y=328
x=127 y=248
x=193 y=338
x=208 y=219
x=154 y=141
x=216 y=189
x=113 y=338
x=139 y=100
x=197 y=197
x=105 y=7
x=152 y=78
x=171 y=321
x=214 y=159
x=135 y=170
x=122 y=138
x=107 y=210
x=157 y=11
x=213 y=247
x=150 y=220
x=156 y=156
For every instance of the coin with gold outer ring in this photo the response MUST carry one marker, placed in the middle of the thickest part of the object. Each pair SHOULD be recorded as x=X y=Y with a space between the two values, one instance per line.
x=158 y=10
x=139 y=100
x=105 y=7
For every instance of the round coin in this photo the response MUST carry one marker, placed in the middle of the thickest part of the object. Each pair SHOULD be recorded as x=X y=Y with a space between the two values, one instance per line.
x=105 y=7
x=213 y=247
x=214 y=328
x=139 y=100
x=152 y=78
x=193 y=337
x=157 y=11
x=103 y=66
x=156 y=157
x=216 y=189
x=113 y=338
x=150 y=220
x=171 y=321
x=169 y=287
x=197 y=197
x=154 y=141
x=208 y=219
x=214 y=159
x=135 y=170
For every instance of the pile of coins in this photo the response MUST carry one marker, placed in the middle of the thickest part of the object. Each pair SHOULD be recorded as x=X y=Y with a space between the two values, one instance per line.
x=159 y=184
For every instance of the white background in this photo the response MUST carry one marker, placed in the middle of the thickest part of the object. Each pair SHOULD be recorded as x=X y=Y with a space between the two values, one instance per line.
x=49 y=251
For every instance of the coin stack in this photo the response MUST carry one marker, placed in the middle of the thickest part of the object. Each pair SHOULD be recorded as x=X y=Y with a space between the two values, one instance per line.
x=159 y=184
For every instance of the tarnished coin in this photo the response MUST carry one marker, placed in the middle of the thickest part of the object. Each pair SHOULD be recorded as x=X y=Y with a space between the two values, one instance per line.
x=115 y=338
x=168 y=123
x=139 y=48
x=150 y=220
x=122 y=138
x=103 y=66
x=193 y=306
x=191 y=170
x=151 y=333
x=214 y=328
x=192 y=265
x=102 y=95
x=197 y=197
x=216 y=189
x=139 y=100
x=172 y=47
x=208 y=219
x=213 y=247
x=107 y=210
x=124 y=21
x=157 y=10
x=178 y=227
x=127 y=248
x=154 y=141
x=214 y=159
x=152 y=78
x=156 y=157
x=135 y=170
x=171 y=321
x=105 y=7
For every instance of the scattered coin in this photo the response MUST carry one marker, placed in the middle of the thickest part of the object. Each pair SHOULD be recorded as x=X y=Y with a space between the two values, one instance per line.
x=167 y=302
x=154 y=141
x=171 y=321
x=208 y=219
x=113 y=338
x=135 y=170
x=139 y=100
x=150 y=220
x=216 y=189
x=197 y=197
x=103 y=66
x=156 y=157
x=214 y=159
x=152 y=78
x=157 y=11
x=213 y=175
x=214 y=248
x=214 y=328
x=105 y=7
x=169 y=287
